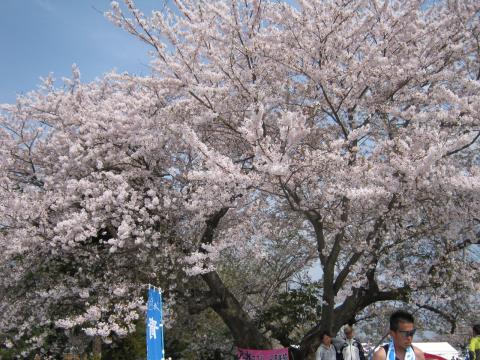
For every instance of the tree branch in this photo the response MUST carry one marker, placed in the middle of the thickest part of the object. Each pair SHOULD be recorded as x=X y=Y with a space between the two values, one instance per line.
x=446 y=316
x=463 y=147
x=212 y=223
x=345 y=271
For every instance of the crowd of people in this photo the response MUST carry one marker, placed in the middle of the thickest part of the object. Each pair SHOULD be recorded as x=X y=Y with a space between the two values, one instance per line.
x=399 y=347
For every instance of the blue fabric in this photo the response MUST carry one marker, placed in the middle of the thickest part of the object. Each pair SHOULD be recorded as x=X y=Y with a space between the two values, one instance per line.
x=155 y=349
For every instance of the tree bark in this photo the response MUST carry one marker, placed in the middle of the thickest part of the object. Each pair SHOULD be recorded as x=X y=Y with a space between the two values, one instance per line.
x=343 y=314
x=97 y=347
x=244 y=331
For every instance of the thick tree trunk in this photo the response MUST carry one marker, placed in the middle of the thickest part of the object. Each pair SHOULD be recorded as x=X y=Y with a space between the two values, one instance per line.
x=345 y=313
x=244 y=331
x=311 y=341
x=97 y=347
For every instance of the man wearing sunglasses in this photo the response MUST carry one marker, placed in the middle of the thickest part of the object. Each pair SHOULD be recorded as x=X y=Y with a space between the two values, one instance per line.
x=400 y=346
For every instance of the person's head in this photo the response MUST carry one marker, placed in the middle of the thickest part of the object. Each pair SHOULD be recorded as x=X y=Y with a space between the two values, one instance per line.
x=402 y=328
x=326 y=338
x=476 y=329
x=348 y=331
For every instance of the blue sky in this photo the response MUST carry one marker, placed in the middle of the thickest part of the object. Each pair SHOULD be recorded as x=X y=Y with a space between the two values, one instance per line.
x=42 y=36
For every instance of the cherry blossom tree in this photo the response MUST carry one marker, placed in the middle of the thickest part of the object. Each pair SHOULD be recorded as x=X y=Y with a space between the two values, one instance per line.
x=344 y=129
x=358 y=118
x=93 y=211
x=52 y=181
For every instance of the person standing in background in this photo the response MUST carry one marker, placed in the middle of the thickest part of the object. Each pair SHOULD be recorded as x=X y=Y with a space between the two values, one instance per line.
x=326 y=350
x=474 y=347
x=352 y=348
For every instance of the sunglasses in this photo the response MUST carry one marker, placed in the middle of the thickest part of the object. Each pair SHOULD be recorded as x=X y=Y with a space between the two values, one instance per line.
x=406 y=333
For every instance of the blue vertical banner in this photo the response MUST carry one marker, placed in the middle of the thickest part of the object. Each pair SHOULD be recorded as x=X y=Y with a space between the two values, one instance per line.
x=155 y=349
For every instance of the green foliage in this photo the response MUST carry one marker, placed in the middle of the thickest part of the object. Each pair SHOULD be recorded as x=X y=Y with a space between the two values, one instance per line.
x=53 y=341
x=131 y=347
x=192 y=337
x=199 y=336
x=292 y=315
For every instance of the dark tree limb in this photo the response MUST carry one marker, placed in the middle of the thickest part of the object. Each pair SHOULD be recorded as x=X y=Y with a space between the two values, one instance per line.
x=463 y=147
x=443 y=314
x=224 y=303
